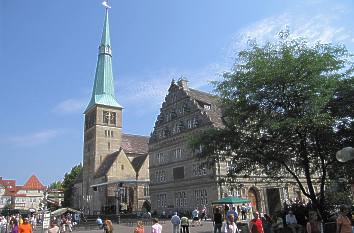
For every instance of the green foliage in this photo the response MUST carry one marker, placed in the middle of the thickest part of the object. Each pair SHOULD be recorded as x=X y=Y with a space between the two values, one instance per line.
x=56 y=185
x=68 y=184
x=287 y=110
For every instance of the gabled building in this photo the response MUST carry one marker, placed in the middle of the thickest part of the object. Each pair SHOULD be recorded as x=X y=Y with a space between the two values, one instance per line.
x=26 y=197
x=181 y=181
x=30 y=195
x=112 y=161
x=7 y=191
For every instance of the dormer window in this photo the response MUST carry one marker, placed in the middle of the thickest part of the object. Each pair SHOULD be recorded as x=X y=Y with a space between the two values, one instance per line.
x=207 y=106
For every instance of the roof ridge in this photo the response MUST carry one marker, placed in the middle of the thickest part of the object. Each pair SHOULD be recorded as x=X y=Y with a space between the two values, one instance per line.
x=136 y=135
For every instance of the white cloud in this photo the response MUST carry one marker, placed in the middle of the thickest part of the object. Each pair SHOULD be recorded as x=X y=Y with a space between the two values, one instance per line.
x=321 y=27
x=149 y=94
x=71 y=105
x=33 y=139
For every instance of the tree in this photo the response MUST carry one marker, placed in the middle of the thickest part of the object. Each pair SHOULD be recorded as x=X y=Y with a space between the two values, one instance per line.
x=56 y=185
x=287 y=110
x=68 y=184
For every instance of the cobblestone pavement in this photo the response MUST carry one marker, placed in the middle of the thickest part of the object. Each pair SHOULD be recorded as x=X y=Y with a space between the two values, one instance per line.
x=206 y=227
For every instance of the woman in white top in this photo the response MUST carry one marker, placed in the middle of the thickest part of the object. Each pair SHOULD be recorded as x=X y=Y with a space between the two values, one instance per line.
x=230 y=227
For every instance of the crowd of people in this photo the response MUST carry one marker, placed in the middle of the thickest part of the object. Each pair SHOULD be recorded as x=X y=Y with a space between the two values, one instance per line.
x=17 y=224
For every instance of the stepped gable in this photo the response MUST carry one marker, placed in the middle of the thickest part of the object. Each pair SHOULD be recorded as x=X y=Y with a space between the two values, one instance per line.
x=107 y=163
x=135 y=144
x=214 y=113
x=138 y=161
x=33 y=183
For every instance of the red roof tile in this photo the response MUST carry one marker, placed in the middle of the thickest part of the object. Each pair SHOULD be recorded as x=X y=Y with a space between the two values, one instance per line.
x=8 y=183
x=33 y=183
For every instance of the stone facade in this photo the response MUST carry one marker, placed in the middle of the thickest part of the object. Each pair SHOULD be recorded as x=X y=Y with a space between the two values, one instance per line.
x=181 y=181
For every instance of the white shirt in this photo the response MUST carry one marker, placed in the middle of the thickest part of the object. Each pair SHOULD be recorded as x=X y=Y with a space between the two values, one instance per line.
x=156 y=228
x=232 y=228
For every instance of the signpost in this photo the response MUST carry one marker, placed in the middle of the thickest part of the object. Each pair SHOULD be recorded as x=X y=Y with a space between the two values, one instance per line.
x=46 y=221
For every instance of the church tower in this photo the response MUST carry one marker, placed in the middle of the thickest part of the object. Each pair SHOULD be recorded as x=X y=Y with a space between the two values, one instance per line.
x=103 y=116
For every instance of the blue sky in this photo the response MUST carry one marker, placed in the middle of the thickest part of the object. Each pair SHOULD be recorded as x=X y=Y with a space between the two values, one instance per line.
x=48 y=53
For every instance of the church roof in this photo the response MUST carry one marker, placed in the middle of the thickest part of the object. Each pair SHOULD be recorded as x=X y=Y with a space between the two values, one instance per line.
x=138 y=161
x=103 y=89
x=135 y=144
x=107 y=163
x=33 y=183
x=214 y=113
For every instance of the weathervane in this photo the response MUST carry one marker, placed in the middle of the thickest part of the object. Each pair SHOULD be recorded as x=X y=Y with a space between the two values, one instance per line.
x=105 y=4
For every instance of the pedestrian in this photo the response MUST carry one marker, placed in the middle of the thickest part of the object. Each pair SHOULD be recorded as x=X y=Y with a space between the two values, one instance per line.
x=204 y=213
x=343 y=222
x=313 y=226
x=277 y=223
x=25 y=227
x=99 y=222
x=195 y=217
x=243 y=211
x=53 y=228
x=156 y=227
x=176 y=221
x=14 y=226
x=107 y=226
x=184 y=224
x=291 y=222
x=255 y=225
x=230 y=225
x=139 y=227
x=267 y=223
x=233 y=212
x=217 y=221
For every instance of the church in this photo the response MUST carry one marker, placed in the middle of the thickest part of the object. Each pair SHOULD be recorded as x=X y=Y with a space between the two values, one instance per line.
x=115 y=174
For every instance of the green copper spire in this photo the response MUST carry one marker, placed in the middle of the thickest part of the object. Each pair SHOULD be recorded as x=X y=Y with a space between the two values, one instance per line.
x=103 y=89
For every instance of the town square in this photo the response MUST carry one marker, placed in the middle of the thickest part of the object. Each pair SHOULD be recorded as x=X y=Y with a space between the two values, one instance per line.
x=177 y=116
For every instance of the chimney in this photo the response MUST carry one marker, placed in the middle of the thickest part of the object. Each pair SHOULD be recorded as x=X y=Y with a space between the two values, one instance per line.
x=182 y=82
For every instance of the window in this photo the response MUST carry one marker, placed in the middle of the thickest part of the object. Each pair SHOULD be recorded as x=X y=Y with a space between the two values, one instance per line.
x=178 y=173
x=199 y=169
x=113 y=118
x=200 y=196
x=195 y=122
x=109 y=146
x=160 y=176
x=189 y=124
x=146 y=191
x=161 y=200
x=105 y=117
x=180 y=199
x=122 y=167
x=178 y=153
x=207 y=106
x=112 y=133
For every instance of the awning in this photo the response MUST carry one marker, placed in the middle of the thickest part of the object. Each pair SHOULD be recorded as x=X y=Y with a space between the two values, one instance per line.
x=231 y=200
x=61 y=211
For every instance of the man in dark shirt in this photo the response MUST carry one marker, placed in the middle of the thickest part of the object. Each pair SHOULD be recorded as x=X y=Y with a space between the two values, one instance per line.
x=217 y=221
